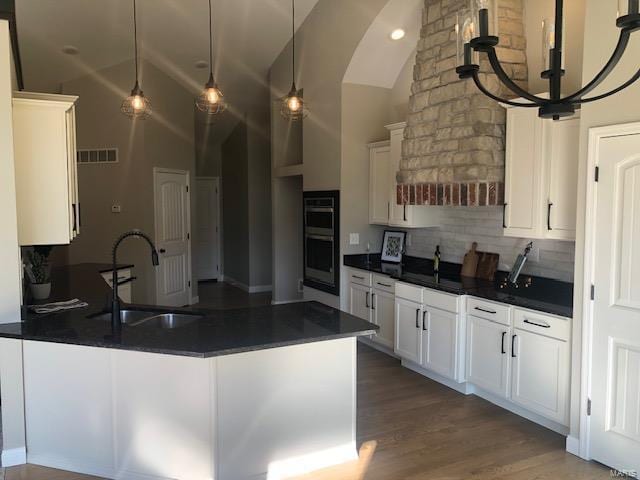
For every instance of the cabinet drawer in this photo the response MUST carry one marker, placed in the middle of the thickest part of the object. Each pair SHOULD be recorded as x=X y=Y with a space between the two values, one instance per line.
x=384 y=283
x=409 y=292
x=443 y=301
x=360 y=277
x=495 y=312
x=547 y=325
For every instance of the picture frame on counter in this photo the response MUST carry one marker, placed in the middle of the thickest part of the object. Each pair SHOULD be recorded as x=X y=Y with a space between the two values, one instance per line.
x=393 y=244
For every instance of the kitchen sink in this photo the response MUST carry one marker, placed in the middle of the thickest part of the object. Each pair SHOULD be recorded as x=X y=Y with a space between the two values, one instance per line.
x=139 y=318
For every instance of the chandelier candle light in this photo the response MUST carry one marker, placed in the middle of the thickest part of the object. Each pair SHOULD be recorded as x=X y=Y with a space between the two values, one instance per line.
x=211 y=100
x=293 y=105
x=476 y=31
x=136 y=105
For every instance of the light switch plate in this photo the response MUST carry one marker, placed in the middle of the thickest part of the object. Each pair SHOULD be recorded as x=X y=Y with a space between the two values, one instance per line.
x=354 y=239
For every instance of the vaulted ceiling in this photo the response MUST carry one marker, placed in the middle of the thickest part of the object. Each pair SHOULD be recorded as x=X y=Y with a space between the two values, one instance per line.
x=249 y=34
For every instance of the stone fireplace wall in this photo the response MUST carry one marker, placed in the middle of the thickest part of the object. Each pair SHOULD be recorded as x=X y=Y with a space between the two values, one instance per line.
x=453 y=151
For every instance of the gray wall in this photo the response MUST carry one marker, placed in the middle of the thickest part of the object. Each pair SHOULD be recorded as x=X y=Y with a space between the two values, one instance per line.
x=164 y=140
x=235 y=205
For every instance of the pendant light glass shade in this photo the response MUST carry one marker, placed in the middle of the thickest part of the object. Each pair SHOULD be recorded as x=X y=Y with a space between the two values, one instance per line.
x=136 y=105
x=293 y=106
x=211 y=100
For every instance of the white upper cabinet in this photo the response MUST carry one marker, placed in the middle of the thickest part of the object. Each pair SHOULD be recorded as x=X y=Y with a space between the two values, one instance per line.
x=379 y=183
x=384 y=208
x=46 y=168
x=541 y=175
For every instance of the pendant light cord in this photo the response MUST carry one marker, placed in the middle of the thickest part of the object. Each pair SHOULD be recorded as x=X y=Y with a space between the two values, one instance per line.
x=210 y=39
x=135 y=37
x=293 y=35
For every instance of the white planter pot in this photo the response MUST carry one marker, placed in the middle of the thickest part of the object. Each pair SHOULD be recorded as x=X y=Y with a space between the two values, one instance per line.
x=40 y=291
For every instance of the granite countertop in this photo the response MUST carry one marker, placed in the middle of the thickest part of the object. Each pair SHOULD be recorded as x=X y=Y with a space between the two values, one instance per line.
x=213 y=333
x=543 y=294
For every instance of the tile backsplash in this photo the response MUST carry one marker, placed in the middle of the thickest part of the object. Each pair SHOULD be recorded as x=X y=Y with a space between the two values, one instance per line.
x=463 y=226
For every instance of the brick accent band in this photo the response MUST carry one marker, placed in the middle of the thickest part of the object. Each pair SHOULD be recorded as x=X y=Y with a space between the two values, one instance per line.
x=470 y=194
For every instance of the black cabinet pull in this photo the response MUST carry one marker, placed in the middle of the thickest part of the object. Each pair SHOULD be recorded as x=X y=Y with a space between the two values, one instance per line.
x=513 y=346
x=424 y=320
x=404 y=214
x=541 y=325
x=367 y=300
x=357 y=277
x=549 y=216
x=388 y=210
x=384 y=285
x=162 y=250
x=373 y=301
x=504 y=215
x=79 y=217
x=418 y=318
x=75 y=218
x=485 y=311
x=502 y=350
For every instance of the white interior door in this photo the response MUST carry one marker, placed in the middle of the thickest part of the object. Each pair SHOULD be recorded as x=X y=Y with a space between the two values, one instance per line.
x=615 y=374
x=207 y=231
x=172 y=207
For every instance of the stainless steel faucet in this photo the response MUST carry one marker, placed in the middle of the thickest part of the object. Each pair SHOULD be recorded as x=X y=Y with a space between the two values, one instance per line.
x=115 y=301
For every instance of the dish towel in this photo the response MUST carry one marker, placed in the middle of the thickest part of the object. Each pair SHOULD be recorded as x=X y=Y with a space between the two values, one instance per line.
x=58 y=306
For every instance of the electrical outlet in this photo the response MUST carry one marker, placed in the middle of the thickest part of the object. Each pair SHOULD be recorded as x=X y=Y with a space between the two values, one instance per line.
x=116 y=209
x=534 y=255
x=354 y=239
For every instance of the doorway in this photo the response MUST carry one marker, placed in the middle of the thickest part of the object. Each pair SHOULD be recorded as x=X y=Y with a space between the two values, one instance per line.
x=172 y=207
x=207 y=231
x=611 y=386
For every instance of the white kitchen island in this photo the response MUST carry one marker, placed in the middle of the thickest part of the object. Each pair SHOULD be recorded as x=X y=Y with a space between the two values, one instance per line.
x=142 y=415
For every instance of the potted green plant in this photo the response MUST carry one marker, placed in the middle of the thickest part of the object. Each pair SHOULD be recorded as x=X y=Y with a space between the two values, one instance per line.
x=39 y=272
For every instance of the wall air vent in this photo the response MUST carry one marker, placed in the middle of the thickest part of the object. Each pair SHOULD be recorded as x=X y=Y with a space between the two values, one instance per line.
x=97 y=156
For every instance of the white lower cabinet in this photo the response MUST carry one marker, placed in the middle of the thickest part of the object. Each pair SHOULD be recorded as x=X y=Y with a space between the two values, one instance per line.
x=360 y=301
x=383 y=316
x=488 y=355
x=408 y=343
x=440 y=341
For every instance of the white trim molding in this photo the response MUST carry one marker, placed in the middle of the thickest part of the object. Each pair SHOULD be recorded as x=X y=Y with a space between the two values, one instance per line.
x=248 y=288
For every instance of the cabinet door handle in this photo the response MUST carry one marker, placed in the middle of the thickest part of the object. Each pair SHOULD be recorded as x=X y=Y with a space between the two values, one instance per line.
x=384 y=285
x=373 y=301
x=388 y=210
x=502 y=350
x=75 y=217
x=367 y=300
x=357 y=277
x=485 y=310
x=513 y=346
x=424 y=320
x=541 y=325
x=504 y=215
x=79 y=217
x=404 y=213
x=418 y=318
x=549 y=216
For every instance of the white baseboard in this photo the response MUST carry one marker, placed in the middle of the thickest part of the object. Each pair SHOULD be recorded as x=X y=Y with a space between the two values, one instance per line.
x=248 y=288
x=14 y=456
x=463 y=388
x=287 y=302
x=573 y=445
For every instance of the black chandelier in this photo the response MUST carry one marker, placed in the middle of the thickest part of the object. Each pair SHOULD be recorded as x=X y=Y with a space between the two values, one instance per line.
x=470 y=45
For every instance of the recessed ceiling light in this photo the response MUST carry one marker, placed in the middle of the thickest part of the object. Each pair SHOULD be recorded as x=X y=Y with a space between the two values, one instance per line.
x=70 y=50
x=398 y=34
x=201 y=64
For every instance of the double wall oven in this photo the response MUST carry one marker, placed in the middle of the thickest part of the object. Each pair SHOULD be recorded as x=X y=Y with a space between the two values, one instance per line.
x=321 y=241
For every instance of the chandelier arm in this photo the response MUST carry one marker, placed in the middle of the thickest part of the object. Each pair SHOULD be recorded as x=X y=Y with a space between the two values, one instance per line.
x=482 y=88
x=626 y=84
x=510 y=84
x=623 y=41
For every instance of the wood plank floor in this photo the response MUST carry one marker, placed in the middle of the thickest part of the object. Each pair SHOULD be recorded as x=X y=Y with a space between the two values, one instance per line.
x=411 y=428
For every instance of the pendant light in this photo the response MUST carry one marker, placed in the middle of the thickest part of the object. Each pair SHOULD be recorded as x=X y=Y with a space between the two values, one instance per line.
x=211 y=100
x=293 y=106
x=482 y=38
x=136 y=105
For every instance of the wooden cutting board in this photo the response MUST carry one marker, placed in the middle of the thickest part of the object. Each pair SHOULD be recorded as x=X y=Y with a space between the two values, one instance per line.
x=487 y=265
x=470 y=262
